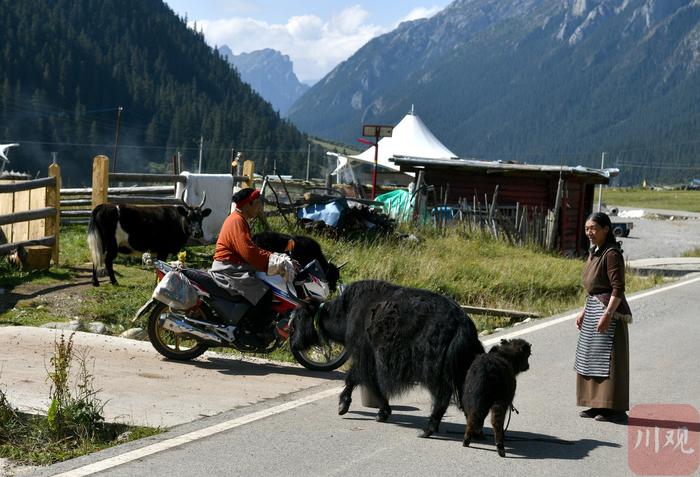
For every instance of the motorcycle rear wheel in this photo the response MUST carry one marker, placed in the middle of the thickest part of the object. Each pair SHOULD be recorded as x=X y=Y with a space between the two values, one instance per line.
x=322 y=357
x=169 y=344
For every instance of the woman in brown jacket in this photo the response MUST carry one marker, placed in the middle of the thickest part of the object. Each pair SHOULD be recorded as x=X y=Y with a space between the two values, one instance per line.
x=602 y=354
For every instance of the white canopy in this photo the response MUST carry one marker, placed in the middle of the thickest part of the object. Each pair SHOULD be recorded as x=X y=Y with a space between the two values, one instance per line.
x=411 y=137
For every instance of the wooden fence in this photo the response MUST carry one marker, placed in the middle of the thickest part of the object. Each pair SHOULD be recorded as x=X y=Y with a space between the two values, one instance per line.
x=77 y=203
x=30 y=213
x=518 y=224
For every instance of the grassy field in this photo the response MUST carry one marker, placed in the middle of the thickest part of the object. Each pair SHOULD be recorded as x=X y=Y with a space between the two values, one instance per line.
x=474 y=270
x=692 y=253
x=687 y=200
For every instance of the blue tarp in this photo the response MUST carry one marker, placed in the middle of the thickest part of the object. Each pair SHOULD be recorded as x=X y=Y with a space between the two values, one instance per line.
x=328 y=213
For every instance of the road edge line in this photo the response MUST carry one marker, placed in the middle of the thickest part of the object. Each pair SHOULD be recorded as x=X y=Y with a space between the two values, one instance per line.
x=571 y=316
x=195 y=435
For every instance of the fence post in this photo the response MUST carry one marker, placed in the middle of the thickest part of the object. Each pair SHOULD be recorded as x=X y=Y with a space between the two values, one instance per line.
x=53 y=199
x=100 y=180
x=248 y=169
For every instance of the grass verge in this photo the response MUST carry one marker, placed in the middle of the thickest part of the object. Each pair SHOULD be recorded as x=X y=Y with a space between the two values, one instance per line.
x=687 y=200
x=471 y=268
x=73 y=424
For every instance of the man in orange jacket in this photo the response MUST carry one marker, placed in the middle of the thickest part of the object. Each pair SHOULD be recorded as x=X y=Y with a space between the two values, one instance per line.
x=237 y=258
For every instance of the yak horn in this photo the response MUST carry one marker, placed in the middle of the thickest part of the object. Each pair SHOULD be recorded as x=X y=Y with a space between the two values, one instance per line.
x=342 y=264
x=204 y=198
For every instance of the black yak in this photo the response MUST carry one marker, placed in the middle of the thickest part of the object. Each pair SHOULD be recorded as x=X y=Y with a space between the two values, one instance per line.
x=490 y=386
x=304 y=250
x=396 y=337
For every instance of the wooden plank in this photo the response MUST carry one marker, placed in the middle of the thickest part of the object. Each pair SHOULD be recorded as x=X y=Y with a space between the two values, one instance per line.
x=498 y=312
x=123 y=190
x=26 y=216
x=21 y=227
x=133 y=177
x=100 y=180
x=143 y=200
x=53 y=199
x=76 y=213
x=75 y=202
x=18 y=186
x=35 y=257
x=7 y=206
x=37 y=200
x=248 y=170
x=11 y=247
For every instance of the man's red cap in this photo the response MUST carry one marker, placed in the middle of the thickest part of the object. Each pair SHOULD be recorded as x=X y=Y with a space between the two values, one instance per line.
x=253 y=195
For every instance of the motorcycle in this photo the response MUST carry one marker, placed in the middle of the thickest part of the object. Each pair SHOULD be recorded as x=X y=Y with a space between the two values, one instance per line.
x=184 y=334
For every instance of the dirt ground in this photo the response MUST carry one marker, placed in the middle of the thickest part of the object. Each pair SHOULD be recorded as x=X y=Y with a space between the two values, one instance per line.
x=62 y=299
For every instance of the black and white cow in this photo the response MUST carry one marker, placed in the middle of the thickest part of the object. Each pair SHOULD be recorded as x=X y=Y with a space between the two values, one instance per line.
x=129 y=229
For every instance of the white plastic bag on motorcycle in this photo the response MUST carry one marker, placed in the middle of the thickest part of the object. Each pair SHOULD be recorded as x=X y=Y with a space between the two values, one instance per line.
x=176 y=291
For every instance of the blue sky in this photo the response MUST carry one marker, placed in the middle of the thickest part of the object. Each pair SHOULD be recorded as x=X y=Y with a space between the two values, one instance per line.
x=316 y=34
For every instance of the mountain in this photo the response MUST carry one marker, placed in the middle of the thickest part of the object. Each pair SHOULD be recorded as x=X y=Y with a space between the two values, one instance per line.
x=270 y=73
x=540 y=81
x=67 y=65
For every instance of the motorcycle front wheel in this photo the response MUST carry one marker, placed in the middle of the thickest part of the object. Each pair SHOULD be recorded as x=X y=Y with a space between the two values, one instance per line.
x=173 y=345
x=322 y=357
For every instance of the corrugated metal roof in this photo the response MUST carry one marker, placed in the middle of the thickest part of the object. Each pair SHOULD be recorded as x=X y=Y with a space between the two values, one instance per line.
x=417 y=163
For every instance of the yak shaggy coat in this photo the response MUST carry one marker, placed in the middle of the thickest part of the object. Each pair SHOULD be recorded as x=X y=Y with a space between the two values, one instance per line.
x=490 y=385
x=396 y=337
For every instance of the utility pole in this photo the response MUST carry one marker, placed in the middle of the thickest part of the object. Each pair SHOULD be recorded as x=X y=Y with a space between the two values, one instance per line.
x=308 y=158
x=201 y=143
x=116 y=139
x=600 y=187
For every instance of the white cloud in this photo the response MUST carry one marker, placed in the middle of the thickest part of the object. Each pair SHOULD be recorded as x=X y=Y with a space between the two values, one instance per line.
x=314 y=45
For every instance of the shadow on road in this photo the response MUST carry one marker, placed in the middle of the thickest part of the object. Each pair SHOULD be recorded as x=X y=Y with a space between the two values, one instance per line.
x=234 y=366
x=519 y=444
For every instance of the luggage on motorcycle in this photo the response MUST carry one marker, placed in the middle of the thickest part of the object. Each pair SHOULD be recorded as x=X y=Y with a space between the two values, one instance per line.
x=176 y=291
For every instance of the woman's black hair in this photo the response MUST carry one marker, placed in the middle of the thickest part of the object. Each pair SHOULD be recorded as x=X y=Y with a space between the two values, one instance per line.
x=242 y=194
x=603 y=220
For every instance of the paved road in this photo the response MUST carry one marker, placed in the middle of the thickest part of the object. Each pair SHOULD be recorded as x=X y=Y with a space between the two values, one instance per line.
x=304 y=436
x=661 y=238
x=138 y=385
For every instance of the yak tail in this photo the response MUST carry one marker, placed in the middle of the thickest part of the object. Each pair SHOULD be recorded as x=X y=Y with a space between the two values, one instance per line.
x=95 y=243
x=465 y=346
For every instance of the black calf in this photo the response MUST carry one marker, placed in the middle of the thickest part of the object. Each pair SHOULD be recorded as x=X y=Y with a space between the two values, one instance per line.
x=490 y=386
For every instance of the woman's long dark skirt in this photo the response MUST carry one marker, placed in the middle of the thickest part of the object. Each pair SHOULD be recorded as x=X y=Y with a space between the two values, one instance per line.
x=611 y=392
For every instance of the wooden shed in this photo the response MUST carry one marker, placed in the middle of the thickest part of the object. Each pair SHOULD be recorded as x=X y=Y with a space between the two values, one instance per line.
x=524 y=184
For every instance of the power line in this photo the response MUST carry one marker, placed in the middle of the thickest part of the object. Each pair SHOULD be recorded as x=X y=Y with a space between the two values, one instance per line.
x=134 y=146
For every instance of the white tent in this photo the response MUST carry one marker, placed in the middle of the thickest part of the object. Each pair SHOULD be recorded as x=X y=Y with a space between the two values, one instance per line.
x=411 y=137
